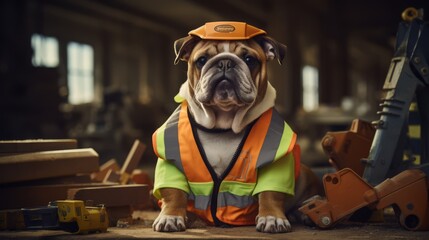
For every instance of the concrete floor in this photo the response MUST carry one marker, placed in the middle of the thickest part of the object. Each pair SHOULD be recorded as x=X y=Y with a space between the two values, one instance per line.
x=389 y=229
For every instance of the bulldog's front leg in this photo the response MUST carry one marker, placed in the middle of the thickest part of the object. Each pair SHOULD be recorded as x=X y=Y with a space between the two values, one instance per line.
x=173 y=211
x=271 y=217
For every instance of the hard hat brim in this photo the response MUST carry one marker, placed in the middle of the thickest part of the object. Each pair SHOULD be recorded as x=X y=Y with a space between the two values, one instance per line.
x=226 y=31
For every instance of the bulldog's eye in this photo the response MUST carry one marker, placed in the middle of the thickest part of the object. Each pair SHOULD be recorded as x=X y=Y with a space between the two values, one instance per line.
x=250 y=61
x=201 y=61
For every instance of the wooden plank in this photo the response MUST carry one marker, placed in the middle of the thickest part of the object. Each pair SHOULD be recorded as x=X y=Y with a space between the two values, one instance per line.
x=133 y=157
x=39 y=165
x=36 y=196
x=132 y=161
x=114 y=196
x=36 y=145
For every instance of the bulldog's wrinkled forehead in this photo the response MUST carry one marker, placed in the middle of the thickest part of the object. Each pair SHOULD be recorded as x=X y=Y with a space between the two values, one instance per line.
x=226 y=31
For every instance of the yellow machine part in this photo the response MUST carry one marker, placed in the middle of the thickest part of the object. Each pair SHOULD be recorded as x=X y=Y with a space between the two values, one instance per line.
x=75 y=217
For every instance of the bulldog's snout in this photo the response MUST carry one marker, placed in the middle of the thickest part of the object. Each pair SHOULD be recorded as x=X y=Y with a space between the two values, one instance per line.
x=223 y=87
x=225 y=64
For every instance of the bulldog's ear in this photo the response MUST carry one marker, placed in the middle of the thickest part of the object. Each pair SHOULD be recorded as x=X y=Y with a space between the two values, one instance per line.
x=183 y=48
x=273 y=49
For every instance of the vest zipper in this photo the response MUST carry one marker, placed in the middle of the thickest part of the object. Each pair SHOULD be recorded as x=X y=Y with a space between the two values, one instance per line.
x=217 y=180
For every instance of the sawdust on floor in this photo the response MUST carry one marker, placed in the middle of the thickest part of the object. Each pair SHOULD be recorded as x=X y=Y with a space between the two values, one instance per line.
x=141 y=229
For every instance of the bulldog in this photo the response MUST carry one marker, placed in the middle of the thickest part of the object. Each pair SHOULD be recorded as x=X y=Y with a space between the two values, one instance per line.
x=225 y=154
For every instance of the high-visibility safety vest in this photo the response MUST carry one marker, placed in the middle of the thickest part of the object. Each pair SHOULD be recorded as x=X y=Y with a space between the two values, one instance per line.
x=226 y=199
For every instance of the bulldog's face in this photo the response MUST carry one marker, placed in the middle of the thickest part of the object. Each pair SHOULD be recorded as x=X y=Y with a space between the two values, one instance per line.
x=228 y=75
x=225 y=77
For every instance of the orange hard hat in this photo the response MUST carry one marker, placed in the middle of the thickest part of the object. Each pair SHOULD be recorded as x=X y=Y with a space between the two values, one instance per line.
x=226 y=31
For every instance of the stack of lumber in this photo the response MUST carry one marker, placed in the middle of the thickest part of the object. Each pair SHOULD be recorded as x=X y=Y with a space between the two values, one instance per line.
x=36 y=172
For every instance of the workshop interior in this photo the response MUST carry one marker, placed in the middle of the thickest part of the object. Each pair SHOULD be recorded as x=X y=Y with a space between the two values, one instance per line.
x=89 y=81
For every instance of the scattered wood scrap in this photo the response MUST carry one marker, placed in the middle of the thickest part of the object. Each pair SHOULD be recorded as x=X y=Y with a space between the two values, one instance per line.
x=36 y=172
x=105 y=168
x=131 y=162
x=141 y=177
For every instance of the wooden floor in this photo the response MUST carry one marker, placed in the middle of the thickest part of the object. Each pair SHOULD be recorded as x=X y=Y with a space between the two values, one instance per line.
x=389 y=229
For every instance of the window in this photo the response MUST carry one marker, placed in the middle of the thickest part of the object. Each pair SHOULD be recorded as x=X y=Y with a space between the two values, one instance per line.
x=80 y=67
x=310 y=85
x=45 y=51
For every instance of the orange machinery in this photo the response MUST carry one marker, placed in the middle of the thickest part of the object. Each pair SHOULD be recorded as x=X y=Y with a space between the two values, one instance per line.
x=372 y=172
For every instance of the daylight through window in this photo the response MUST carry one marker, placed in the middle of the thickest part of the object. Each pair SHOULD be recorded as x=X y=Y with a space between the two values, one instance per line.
x=310 y=85
x=80 y=66
x=45 y=51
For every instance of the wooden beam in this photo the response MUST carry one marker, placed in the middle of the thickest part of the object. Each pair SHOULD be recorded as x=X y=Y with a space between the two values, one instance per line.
x=39 y=165
x=113 y=196
x=133 y=160
x=99 y=10
x=36 y=196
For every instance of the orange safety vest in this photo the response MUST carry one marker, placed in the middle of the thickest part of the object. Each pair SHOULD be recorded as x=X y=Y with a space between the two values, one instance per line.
x=226 y=199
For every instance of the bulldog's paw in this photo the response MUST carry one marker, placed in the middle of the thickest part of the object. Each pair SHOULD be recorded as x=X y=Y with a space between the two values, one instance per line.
x=169 y=223
x=270 y=224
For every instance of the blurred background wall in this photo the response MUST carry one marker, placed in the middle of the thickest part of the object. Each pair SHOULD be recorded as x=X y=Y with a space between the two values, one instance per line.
x=102 y=71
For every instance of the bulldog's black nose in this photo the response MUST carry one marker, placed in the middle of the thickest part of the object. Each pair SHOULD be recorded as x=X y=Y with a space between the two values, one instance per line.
x=225 y=64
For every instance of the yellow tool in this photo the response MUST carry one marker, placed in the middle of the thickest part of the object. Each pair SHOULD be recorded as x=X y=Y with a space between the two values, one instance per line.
x=75 y=217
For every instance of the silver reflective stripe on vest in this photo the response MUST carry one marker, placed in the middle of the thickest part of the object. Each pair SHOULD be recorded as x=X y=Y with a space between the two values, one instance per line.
x=272 y=140
x=171 y=140
x=228 y=199
x=201 y=202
